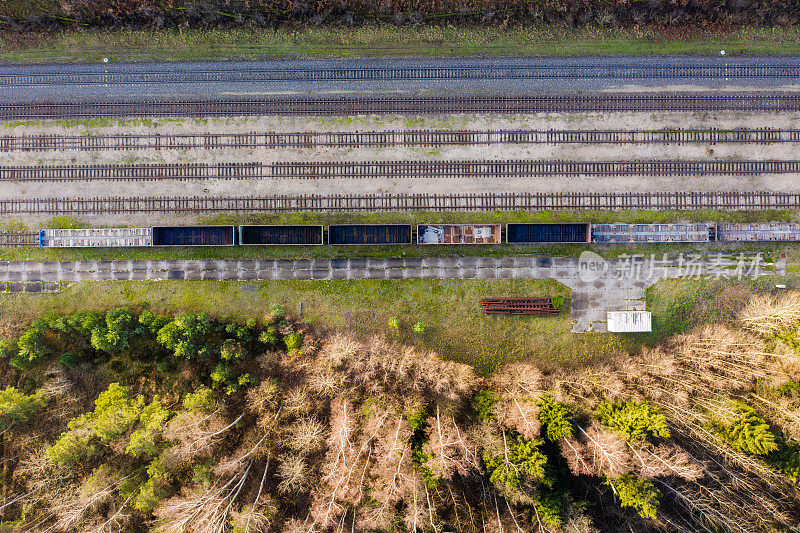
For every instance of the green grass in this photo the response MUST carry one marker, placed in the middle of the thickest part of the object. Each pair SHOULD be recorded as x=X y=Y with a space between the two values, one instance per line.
x=449 y=310
x=374 y=40
x=678 y=305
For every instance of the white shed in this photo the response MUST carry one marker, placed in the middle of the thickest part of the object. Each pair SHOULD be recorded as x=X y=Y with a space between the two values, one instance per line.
x=629 y=321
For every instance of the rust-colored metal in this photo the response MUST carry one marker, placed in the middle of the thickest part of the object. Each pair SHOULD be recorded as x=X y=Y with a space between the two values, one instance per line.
x=518 y=306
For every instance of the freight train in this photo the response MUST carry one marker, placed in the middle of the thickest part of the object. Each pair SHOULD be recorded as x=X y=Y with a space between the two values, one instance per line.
x=424 y=234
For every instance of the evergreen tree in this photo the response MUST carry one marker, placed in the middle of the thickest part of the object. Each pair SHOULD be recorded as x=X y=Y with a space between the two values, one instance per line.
x=748 y=432
x=554 y=417
x=484 y=403
x=638 y=493
x=521 y=458
x=634 y=421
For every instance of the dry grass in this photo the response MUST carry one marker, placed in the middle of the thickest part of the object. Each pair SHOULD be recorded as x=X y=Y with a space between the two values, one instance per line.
x=768 y=315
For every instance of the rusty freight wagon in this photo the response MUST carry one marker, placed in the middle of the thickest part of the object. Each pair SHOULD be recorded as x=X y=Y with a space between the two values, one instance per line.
x=369 y=234
x=459 y=234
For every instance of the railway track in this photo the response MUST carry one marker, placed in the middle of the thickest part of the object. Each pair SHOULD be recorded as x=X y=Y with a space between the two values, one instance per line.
x=394 y=170
x=126 y=76
x=40 y=143
x=643 y=101
x=403 y=202
x=19 y=238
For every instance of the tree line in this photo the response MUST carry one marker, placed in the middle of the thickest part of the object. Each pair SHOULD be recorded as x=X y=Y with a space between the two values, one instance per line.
x=265 y=13
x=125 y=421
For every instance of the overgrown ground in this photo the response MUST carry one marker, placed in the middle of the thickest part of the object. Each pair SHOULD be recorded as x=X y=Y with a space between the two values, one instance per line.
x=448 y=310
x=384 y=41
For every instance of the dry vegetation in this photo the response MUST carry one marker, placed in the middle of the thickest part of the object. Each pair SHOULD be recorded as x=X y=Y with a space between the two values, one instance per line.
x=327 y=432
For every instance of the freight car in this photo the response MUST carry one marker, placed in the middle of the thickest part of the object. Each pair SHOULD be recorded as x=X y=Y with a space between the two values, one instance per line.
x=428 y=234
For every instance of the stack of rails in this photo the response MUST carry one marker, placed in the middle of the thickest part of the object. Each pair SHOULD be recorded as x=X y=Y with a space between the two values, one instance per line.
x=518 y=306
x=644 y=233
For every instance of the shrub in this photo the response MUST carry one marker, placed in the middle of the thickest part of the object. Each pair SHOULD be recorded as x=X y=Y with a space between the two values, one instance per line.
x=640 y=494
x=419 y=328
x=152 y=419
x=69 y=449
x=748 y=432
x=201 y=400
x=484 y=403
x=523 y=458
x=634 y=421
x=557 y=301
x=394 y=323
x=155 y=489
x=549 y=507
x=16 y=407
x=293 y=341
x=554 y=417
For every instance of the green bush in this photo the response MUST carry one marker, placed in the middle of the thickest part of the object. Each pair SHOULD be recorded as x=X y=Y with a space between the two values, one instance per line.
x=549 y=508
x=144 y=441
x=201 y=400
x=484 y=403
x=394 y=323
x=638 y=493
x=748 y=432
x=155 y=489
x=557 y=301
x=634 y=421
x=418 y=328
x=555 y=418
x=17 y=407
x=293 y=341
x=523 y=458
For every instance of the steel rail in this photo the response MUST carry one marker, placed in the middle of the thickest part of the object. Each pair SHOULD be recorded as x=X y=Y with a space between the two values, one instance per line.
x=118 y=76
x=391 y=138
x=400 y=104
x=393 y=170
x=685 y=200
x=19 y=238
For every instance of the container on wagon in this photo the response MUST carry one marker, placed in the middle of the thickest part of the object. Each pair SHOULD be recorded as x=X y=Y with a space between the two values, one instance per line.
x=95 y=237
x=761 y=231
x=548 y=232
x=281 y=235
x=194 y=235
x=369 y=234
x=643 y=233
x=459 y=234
x=629 y=321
